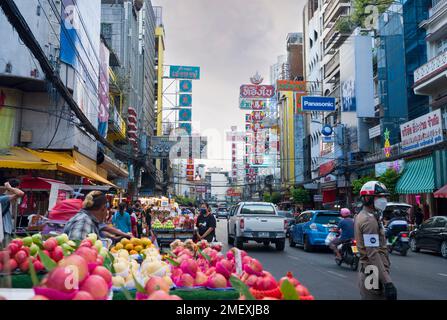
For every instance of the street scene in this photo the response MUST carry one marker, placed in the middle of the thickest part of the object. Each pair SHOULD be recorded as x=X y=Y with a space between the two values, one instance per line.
x=223 y=150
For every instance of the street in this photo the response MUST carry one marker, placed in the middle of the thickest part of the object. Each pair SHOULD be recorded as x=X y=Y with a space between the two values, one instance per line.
x=416 y=276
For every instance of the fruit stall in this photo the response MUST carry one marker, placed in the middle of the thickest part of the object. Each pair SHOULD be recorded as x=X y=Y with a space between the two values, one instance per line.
x=179 y=227
x=41 y=269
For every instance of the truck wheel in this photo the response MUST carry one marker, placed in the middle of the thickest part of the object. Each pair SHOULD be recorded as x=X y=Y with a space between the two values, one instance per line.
x=291 y=242
x=307 y=246
x=239 y=243
x=280 y=245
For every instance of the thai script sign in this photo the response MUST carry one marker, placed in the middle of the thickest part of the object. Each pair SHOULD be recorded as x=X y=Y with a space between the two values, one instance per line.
x=255 y=91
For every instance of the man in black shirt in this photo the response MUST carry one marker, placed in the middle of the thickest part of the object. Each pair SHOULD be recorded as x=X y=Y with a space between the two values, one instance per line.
x=148 y=218
x=206 y=223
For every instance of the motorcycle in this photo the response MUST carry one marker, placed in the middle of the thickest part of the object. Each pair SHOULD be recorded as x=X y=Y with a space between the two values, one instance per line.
x=399 y=243
x=349 y=253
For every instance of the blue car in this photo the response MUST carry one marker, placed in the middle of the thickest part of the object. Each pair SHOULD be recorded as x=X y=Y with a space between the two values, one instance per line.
x=312 y=227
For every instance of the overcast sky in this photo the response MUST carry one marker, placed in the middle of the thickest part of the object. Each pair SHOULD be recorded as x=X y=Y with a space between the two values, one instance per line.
x=230 y=40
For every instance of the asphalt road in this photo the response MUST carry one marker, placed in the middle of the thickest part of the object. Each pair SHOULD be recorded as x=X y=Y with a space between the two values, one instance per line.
x=418 y=276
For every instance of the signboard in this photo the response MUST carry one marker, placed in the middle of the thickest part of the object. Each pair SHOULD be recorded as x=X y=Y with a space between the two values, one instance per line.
x=287 y=85
x=185 y=115
x=185 y=100
x=200 y=189
x=318 y=198
x=249 y=104
x=104 y=103
x=255 y=91
x=187 y=127
x=323 y=104
x=422 y=132
x=184 y=72
x=374 y=132
x=298 y=102
x=382 y=167
x=236 y=136
x=185 y=86
x=160 y=147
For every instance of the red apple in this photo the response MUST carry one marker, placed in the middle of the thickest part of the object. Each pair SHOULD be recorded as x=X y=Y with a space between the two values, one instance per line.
x=4 y=256
x=24 y=266
x=100 y=260
x=290 y=278
x=96 y=286
x=155 y=284
x=57 y=254
x=26 y=249
x=217 y=281
x=12 y=248
x=38 y=266
x=19 y=242
x=86 y=243
x=302 y=290
x=50 y=244
x=20 y=256
x=104 y=273
x=83 y=295
x=11 y=265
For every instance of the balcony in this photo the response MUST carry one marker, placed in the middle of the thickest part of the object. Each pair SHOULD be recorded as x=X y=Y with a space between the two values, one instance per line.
x=332 y=65
x=334 y=38
x=431 y=78
x=437 y=5
x=334 y=9
x=117 y=125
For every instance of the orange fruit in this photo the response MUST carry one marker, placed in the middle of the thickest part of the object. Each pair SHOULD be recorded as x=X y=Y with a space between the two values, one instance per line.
x=129 y=247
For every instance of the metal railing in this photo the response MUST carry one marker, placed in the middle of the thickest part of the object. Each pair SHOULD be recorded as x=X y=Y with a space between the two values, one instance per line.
x=436 y=6
x=330 y=8
x=431 y=66
x=332 y=64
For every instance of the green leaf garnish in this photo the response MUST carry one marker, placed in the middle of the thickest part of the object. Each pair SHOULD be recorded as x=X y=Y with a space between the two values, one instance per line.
x=241 y=287
x=138 y=286
x=204 y=255
x=47 y=262
x=288 y=291
x=33 y=274
x=173 y=262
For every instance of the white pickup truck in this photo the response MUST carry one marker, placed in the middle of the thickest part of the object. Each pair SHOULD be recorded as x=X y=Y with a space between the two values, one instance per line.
x=256 y=221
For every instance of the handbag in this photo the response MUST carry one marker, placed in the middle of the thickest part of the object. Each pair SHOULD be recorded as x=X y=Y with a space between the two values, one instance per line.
x=331 y=236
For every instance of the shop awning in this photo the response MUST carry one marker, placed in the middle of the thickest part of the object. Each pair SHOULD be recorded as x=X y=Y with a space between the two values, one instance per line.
x=418 y=177
x=19 y=158
x=441 y=193
x=66 y=163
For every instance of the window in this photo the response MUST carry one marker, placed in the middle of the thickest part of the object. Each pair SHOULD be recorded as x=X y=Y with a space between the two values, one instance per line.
x=258 y=209
x=327 y=218
x=441 y=222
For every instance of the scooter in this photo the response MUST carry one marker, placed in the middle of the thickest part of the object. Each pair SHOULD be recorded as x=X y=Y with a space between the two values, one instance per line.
x=349 y=253
x=399 y=243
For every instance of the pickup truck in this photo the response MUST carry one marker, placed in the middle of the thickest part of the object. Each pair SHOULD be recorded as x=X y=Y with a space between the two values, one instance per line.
x=256 y=221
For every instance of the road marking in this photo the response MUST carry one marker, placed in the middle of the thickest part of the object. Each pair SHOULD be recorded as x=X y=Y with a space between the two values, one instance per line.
x=443 y=274
x=337 y=274
x=294 y=258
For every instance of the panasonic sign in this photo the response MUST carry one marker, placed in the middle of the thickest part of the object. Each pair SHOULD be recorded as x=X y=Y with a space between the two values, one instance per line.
x=322 y=104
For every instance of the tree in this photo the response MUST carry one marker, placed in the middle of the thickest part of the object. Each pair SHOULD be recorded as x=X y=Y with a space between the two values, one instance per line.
x=266 y=197
x=358 y=184
x=390 y=179
x=276 y=197
x=300 y=195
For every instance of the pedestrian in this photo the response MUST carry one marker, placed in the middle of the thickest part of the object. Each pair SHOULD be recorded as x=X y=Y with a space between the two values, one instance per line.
x=121 y=219
x=139 y=217
x=374 y=277
x=418 y=216
x=206 y=224
x=8 y=199
x=148 y=219
x=89 y=218
x=133 y=221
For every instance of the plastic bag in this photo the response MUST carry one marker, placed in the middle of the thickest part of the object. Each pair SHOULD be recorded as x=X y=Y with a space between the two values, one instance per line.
x=331 y=236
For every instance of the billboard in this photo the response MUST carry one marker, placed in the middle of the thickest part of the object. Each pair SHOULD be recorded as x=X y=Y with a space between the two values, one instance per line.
x=422 y=132
x=80 y=48
x=257 y=91
x=288 y=85
x=250 y=104
x=185 y=115
x=104 y=103
x=160 y=147
x=184 y=72
x=322 y=104
x=185 y=100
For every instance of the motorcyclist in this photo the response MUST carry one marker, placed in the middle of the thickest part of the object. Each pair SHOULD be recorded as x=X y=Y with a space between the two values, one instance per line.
x=396 y=225
x=346 y=225
x=374 y=277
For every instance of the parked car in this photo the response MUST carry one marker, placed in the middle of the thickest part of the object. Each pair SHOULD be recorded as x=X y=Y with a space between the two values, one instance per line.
x=431 y=235
x=256 y=221
x=312 y=227
x=288 y=215
x=222 y=213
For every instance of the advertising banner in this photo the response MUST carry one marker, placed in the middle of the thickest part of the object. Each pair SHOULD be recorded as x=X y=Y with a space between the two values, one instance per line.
x=288 y=85
x=422 y=132
x=185 y=100
x=382 y=167
x=252 y=104
x=185 y=115
x=184 y=72
x=323 y=104
x=104 y=103
x=160 y=147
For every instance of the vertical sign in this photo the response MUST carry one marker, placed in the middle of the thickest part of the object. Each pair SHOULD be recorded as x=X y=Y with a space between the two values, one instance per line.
x=104 y=103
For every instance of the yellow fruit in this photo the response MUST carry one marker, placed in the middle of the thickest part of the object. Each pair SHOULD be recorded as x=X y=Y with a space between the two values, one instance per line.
x=125 y=241
x=113 y=250
x=135 y=242
x=138 y=248
x=133 y=252
x=146 y=242
x=119 y=246
x=129 y=247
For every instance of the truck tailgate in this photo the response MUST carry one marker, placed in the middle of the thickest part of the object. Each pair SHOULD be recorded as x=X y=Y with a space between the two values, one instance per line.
x=267 y=223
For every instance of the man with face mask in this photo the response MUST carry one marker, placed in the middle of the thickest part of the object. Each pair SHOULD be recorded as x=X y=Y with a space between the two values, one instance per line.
x=206 y=224
x=374 y=278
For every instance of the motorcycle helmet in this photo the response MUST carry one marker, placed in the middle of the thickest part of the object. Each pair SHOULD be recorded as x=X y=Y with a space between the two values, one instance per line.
x=372 y=189
x=345 y=212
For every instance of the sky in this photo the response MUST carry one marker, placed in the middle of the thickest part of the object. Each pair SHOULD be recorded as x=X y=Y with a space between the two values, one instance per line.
x=230 y=40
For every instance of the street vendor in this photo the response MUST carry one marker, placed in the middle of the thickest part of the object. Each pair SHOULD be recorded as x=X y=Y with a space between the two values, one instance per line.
x=206 y=224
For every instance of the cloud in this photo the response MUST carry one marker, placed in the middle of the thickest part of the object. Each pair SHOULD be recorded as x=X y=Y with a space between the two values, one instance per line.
x=230 y=40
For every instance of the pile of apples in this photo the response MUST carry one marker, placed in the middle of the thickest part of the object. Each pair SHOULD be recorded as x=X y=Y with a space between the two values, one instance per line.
x=19 y=256
x=80 y=276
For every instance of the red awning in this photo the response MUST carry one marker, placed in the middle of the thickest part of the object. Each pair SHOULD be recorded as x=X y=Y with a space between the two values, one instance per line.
x=36 y=183
x=441 y=193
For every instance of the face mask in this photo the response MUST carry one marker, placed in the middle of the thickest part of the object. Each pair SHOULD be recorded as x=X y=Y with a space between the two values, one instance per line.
x=203 y=211
x=380 y=204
